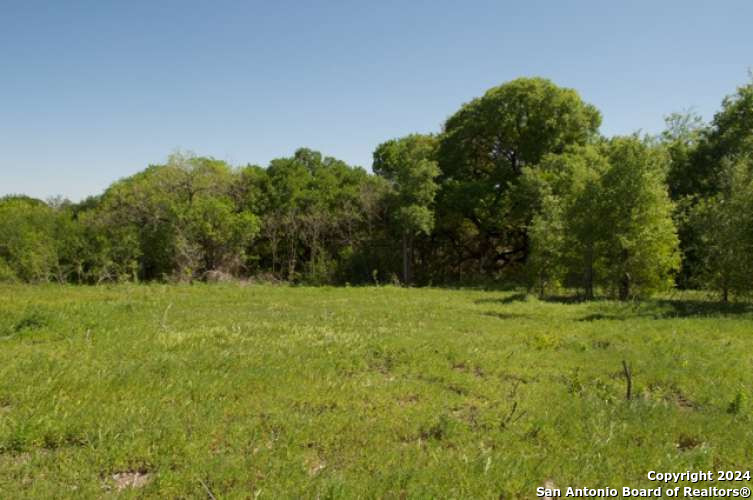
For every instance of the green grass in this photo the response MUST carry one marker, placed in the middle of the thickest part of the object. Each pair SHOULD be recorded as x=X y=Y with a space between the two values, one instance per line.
x=286 y=392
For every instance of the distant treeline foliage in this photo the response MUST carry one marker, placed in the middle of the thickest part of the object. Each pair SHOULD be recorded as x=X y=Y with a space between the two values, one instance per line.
x=518 y=187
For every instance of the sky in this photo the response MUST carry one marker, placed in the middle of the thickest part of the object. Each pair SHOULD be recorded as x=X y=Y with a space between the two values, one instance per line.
x=91 y=92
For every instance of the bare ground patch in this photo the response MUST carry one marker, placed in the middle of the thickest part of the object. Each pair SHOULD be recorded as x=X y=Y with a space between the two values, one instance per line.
x=131 y=479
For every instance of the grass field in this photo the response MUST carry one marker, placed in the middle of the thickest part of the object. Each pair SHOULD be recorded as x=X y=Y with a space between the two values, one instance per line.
x=286 y=392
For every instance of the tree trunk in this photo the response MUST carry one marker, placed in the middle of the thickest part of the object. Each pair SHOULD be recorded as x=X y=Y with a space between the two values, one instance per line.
x=312 y=260
x=405 y=260
x=542 y=285
x=411 y=259
x=291 y=258
x=274 y=256
x=625 y=280
x=588 y=285
x=625 y=287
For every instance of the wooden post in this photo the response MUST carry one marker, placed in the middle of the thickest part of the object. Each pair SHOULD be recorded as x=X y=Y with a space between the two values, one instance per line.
x=628 y=380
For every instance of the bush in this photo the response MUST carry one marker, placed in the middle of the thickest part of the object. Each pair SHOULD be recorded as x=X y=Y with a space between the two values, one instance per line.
x=6 y=273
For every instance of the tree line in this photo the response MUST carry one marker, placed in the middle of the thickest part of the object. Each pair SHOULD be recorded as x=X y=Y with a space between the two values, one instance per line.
x=518 y=187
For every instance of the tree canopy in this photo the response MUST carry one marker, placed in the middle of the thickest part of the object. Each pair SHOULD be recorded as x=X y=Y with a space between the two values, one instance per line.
x=410 y=167
x=517 y=187
x=605 y=219
x=483 y=149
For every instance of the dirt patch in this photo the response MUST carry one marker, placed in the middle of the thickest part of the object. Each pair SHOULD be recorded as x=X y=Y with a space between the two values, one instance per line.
x=468 y=414
x=135 y=479
x=672 y=395
x=315 y=464
x=464 y=368
x=684 y=403
x=409 y=399
x=14 y=459
x=686 y=442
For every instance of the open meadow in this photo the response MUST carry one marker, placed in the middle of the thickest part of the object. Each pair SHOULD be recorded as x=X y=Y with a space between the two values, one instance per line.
x=257 y=391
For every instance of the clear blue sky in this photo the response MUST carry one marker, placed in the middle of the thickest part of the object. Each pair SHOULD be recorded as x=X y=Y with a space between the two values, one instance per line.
x=94 y=91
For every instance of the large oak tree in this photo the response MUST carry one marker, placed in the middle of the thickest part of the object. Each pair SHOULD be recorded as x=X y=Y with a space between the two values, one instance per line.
x=483 y=149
